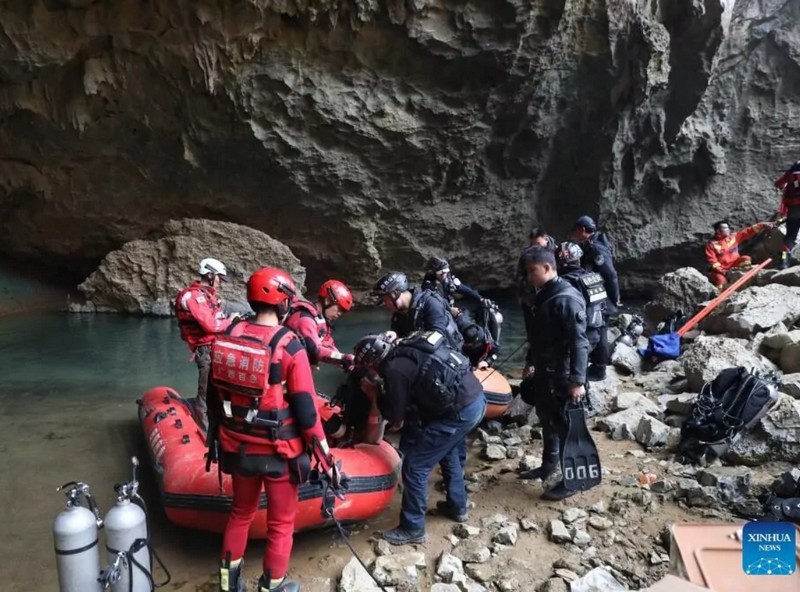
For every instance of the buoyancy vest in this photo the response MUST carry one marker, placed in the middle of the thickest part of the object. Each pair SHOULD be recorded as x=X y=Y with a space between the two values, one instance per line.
x=304 y=308
x=440 y=370
x=248 y=375
x=418 y=302
x=591 y=286
x=190 y=329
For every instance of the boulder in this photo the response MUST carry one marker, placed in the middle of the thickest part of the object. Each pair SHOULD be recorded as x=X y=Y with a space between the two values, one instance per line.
x=683 y=289
x=626 y=359
x=681 y=404
x=709 y=355
x=450 y=568
x=790 y=357
x=780 y=339
x=402 y=568
x=776 y=438
x=787 y=277
x=356 y=579
x=602 y=392
x=757 y=309
x=623 y=424
x=628 y=400
x=144 y=276
x=791 y=385
x=651 y=432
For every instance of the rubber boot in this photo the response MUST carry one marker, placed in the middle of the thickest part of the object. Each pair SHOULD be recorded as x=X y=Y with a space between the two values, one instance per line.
x=284 y=586
x=230 y=577
x=550 y=459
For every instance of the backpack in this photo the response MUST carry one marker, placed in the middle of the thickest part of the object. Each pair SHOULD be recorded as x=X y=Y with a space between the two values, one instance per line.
x=726 y=407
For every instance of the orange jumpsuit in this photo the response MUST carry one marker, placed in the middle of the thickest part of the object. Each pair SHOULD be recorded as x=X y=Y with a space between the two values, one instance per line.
x=723 y=254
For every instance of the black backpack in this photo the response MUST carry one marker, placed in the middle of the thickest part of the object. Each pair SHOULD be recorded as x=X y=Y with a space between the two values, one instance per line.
x=726 y=407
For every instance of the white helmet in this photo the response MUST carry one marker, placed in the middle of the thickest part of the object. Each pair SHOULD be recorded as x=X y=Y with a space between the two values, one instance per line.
x=214 y=268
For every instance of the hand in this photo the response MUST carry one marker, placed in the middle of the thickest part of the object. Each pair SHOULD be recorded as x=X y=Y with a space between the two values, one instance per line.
x=576 y=392
x=487 y=303
x=483 y=365
x=348 y=362
x=527 y=371
x=455 y=311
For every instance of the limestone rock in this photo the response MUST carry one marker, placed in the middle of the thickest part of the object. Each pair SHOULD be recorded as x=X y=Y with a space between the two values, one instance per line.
x=628 y=400
x=709 y=355
x=245 y=112
x=757 y=309
x=356 y=579
x=144 y=276
x=392 y=570
x=680 y=290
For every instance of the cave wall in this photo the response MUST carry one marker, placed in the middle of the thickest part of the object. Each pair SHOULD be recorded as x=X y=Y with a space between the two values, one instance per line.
x=369 y=135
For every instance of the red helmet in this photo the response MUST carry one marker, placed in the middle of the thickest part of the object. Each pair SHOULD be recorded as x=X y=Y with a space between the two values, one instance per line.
x=335 y=292
x=270 y=285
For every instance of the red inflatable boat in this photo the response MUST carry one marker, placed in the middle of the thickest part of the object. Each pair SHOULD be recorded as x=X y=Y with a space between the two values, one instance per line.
x=497 y=390
x=192 y=498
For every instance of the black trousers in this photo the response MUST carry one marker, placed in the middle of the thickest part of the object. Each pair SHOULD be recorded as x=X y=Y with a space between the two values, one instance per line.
x=598 y=342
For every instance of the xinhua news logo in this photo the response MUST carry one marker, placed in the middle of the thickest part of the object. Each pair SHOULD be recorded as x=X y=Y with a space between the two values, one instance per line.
x=769 y=549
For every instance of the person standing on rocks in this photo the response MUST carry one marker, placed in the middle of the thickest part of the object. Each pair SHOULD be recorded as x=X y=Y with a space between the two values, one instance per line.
x=416 y=308
x=789 y=184
x=264 y=416
x=200 y=319
x=598 y=255
x=427 y=391
x=559 y=352
x=722 y=251
x=591 y=287
x=312 y=322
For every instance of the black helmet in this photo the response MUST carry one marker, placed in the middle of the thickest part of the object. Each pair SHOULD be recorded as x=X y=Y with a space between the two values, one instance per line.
x=370 y=350
x=394 y=281
x=585 y=222
x=437 y=264
x=568 y=252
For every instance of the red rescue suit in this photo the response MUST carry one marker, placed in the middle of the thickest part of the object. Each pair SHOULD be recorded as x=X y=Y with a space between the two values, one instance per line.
x=789 y=184
x=723 y=254
x=267 y=415
x=200 y=315
x=310 y=324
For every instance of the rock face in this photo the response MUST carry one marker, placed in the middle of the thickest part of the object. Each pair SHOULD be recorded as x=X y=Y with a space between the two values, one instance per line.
x=757 y=309
x=144 y=276
x=369 y=135
x=710 y=355
x=683 y=289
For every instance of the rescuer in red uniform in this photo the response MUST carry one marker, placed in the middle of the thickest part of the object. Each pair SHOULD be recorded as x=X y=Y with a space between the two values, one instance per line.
x=264 y=414
x=200 y=318
x=789 y=184
x=722 y=252
x=312 y=322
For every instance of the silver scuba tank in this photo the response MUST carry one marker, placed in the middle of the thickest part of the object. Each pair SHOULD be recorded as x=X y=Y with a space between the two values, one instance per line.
x=127 y=541
x=75 y=534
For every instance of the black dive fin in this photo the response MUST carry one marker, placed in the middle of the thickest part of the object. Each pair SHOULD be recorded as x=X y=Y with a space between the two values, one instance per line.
x=580 y=461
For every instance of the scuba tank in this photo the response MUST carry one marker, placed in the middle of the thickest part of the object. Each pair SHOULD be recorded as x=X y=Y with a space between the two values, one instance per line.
x=127 y=541
x=75 y=534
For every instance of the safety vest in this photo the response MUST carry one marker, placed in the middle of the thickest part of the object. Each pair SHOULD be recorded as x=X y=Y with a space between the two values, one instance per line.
x=591 y=285
x=418 y=301
x=440 y=370
x=190 y=329
x=307 y=309
x=247 y=374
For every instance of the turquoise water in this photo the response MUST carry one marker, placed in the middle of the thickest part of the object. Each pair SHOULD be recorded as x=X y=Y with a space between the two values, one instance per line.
x=68 y=386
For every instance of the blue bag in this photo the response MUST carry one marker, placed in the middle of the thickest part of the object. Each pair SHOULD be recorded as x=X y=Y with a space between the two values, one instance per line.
x=666 y=346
